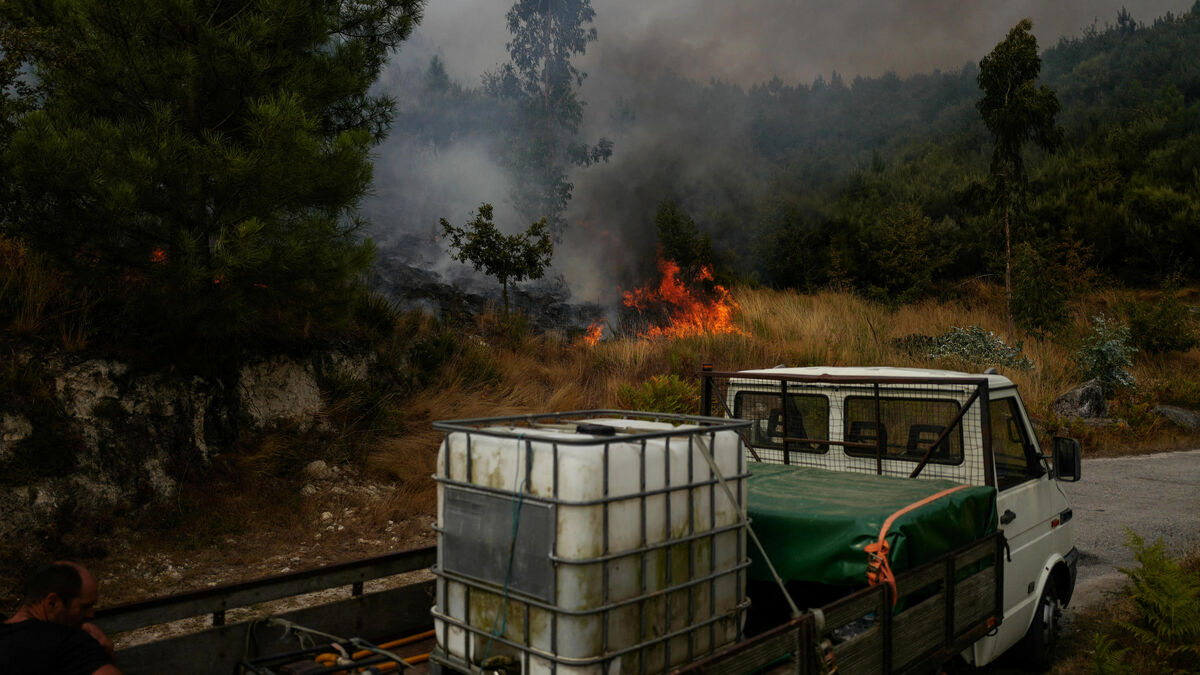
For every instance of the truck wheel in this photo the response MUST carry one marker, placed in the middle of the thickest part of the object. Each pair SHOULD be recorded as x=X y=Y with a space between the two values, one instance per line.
x=1039 y=643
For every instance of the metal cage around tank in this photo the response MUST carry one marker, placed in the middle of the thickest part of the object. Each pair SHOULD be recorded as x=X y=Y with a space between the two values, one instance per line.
x=593 y=541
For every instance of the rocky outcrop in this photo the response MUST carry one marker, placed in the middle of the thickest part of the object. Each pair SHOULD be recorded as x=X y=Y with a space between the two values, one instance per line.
x=1183 y=418
x=278 y=392
x=1085 y=401
x=94 y=438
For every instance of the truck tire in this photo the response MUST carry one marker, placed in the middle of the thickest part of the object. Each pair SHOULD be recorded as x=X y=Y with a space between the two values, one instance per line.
x=1037 y=647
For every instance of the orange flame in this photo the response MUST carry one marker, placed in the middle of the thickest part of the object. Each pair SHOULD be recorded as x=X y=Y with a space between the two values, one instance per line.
x=687 y=312
x=592 y=337
x=158 y=256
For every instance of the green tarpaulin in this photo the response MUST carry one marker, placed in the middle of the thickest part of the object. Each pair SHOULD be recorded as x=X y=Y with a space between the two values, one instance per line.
x=814 y=523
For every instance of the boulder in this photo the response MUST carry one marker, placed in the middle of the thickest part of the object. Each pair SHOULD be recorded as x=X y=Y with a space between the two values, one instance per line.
x=277 y=392
x=1180 y=417
x=1085 y=401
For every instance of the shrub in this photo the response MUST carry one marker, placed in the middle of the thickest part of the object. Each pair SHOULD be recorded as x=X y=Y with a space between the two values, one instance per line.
x=661 y=393
x=976 y=346
x=1106 y=355
x=1039 y=295
x=1162 y=327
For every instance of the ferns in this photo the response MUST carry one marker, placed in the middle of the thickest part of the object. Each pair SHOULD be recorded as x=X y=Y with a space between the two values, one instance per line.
x=1166 y=629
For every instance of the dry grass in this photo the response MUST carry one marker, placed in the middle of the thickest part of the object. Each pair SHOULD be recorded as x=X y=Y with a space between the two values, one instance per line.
x=498 y=373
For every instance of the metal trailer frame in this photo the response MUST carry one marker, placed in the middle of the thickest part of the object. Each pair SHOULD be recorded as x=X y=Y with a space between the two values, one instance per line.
x=948 y=604
x=220 y=646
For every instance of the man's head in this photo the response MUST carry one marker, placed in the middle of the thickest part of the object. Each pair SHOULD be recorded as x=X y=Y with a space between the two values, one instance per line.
x=62 y=592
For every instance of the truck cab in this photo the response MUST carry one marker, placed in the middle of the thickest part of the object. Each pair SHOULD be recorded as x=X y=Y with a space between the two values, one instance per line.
x=929 y=424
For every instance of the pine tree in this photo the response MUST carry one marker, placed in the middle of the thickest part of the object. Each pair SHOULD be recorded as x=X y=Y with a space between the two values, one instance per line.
x=200 y=163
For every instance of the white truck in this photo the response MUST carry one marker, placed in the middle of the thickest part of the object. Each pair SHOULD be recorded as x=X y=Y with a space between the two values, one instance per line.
x=929 y=424
x=608 y=542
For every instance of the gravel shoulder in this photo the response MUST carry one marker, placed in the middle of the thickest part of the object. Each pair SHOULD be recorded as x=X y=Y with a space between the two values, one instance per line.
x=1153 y=495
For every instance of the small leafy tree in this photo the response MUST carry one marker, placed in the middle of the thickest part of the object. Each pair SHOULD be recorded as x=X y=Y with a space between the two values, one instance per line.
x=1105 y=355
x=510 y=258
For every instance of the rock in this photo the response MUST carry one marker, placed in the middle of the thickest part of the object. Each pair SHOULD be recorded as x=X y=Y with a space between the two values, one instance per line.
x=326 y=516
x=277 y=392
x=14 y=428
x=308 y=490
x=1181 y=417
x=318 y=470
x=1085 y=401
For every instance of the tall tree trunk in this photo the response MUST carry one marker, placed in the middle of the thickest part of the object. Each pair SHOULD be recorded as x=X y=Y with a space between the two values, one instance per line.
x=1008 y=270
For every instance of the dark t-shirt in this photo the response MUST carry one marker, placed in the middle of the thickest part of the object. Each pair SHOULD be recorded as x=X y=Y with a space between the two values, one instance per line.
x=33 y=647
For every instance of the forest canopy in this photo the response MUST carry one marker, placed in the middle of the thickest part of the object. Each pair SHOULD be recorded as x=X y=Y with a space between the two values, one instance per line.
x=882 y=183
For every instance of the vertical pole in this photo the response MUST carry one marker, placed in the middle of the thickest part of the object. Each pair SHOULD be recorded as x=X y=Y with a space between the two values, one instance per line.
x=783 y=413
x=948 y=586
x=706 y=389
x=985 y=426
x=879 y=449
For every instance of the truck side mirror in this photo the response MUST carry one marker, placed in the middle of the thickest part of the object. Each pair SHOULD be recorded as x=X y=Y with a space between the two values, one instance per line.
x=1067 y=459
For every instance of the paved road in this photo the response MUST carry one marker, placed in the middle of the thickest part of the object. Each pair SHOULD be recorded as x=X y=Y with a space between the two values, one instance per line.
x=1154 y=495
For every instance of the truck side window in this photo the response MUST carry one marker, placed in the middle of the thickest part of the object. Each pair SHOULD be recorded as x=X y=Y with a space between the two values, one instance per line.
x=807 y=417
x=1016 y=461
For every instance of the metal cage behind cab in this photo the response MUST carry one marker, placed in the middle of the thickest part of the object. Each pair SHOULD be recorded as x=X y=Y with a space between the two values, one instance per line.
x=915 y=427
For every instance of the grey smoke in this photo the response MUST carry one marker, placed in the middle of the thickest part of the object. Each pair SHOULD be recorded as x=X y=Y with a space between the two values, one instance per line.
x=641 y=41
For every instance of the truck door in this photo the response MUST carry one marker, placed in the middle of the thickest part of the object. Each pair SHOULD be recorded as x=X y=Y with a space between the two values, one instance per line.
x=1029 y=506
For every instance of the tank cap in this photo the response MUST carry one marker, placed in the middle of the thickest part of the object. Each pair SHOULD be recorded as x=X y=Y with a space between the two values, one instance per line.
x=595 y=429
x=991 y=371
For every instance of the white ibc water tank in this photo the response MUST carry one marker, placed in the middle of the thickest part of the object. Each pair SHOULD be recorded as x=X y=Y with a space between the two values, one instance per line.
x=587 y=543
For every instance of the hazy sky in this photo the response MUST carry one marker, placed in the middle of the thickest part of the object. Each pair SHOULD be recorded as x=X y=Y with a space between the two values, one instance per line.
x=750 y=41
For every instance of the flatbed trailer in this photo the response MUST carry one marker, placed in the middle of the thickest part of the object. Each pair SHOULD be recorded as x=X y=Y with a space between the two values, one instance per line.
x=946 y=605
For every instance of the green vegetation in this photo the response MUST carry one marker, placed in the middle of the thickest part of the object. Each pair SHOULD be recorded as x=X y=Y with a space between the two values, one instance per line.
x=1106 y=356
x=1016 y=111
x=193 y=171
x=514 y=257
x=1163 y=633
x=975 y=347
x=662 y=393
x=537 y=89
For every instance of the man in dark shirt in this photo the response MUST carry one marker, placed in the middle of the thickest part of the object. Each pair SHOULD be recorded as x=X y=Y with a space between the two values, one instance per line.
x=51 y=633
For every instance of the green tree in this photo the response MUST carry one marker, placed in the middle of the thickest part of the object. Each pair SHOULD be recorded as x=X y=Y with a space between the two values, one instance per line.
x=510 y=258
x=1016 y=111
x=200 y=163
x=542 y=82
x=681 y=240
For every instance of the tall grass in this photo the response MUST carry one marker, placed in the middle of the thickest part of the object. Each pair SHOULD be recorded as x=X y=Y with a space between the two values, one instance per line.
x=499 y=373
x=36 y=301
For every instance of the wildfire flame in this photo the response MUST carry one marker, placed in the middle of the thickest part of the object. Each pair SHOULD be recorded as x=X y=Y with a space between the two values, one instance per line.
x=592 y=337
x=687 y=312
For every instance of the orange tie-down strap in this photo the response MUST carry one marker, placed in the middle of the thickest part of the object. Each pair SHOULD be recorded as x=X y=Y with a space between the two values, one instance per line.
x=878 y=568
